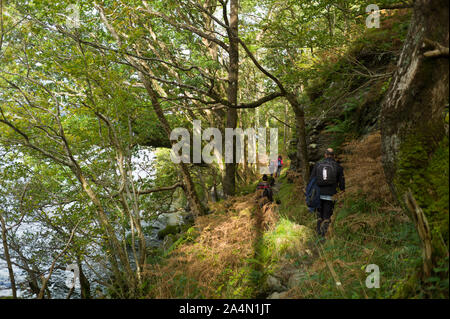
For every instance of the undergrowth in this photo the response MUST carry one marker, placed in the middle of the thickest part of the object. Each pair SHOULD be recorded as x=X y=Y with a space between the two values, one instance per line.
x=363 y=233
x=233 y=251
x=346 y=88
x=208 y=263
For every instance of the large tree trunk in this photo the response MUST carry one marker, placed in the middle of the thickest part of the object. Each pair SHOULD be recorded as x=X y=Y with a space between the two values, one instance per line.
x=419 y=89
x=302 y=147
x=412 y=121
x=85 y=286
x=7 y=257
x=229 y=182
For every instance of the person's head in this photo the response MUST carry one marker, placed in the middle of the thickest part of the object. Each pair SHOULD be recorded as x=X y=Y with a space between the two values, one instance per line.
x=264 y=178
x=280 y=157
x=329 y=153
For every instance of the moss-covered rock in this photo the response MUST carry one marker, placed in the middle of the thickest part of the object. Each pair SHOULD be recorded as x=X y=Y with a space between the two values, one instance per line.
x=170 y=229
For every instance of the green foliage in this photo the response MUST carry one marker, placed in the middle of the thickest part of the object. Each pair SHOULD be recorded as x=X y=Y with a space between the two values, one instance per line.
x=237 y=284
x=186 y=237
x=292 y=207
x=180 y=282
x=78 y=98
x=343 y=88
x=423 y=167
x=287 y=239
x=247 y=189
x=364 y=233
x=341 y=130
x=169 y=230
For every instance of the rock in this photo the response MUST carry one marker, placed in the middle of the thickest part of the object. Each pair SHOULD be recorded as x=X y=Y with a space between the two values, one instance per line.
x=318 y=144
x=170 y=229
x=174 y=219
x=296 y=279
x=279 y=295
x=274 y=284
x=188 y=218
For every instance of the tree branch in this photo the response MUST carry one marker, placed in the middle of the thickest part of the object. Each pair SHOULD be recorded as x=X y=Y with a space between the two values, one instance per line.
x=438 y=52
x=1 y=25
x=276 y=118
x=184 y=26
x=261 y=68
x=160 y=189
x=45 y=281
x=257 y=103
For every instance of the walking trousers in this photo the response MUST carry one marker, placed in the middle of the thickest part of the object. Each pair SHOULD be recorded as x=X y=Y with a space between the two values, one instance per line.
x=324 y=216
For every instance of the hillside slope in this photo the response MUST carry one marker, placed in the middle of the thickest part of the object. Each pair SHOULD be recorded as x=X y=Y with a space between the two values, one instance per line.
x=249 y=249
x=245 y=250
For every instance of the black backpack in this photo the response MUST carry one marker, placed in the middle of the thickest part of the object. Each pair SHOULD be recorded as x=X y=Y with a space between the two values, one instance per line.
x=326 y=173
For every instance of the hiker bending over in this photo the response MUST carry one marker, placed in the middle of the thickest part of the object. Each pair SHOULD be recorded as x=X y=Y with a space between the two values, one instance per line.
x=329 y=176
x=265 y=185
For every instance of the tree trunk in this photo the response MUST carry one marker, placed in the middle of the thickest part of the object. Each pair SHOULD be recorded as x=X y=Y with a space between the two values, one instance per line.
x=412 y=120
x=215 y=192
x=85 y=286
x=229 y=183
x=419 y=89
x=285 y=130
x=302 y=150
x=8 y=257
x=188 y=185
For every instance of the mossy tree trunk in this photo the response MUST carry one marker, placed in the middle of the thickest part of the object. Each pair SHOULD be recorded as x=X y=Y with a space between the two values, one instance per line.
x=414 y=141
x=229 y=182
x=302 y=145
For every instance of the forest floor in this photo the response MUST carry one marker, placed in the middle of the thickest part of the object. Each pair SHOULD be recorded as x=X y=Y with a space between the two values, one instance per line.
x=248 y=248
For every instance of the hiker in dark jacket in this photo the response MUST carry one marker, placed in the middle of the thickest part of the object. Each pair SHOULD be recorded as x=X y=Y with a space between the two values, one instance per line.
x=329 y=176
x=265 y=185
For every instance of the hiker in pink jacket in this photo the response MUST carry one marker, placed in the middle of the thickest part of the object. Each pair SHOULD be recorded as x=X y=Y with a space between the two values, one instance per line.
x=280 y=164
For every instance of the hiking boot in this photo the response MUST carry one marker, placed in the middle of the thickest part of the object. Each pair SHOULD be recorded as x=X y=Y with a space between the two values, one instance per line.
x=324 y=226
x=318 y=227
